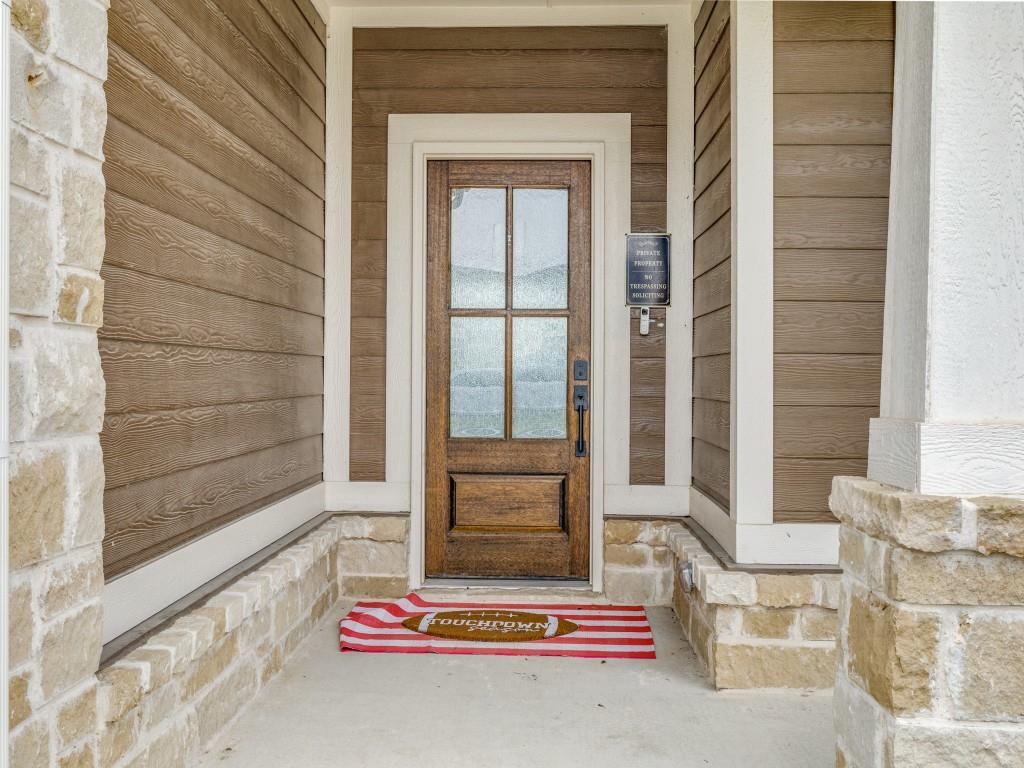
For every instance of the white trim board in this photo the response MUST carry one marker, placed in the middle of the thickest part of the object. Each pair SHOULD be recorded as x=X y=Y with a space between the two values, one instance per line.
x=646 y=500
x=131 y=599
x=777 y=544
x=752 y=372
x=385 y=498
x=788 y=543
x=668 y=499
x=338 y=254
x=713 y=519
x=945 y=459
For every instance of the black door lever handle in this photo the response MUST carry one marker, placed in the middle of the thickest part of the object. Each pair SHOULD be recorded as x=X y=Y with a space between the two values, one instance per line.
x=581 y=401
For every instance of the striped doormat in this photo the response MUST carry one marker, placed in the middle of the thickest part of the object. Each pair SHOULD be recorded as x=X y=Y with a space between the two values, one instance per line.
x=414 y=625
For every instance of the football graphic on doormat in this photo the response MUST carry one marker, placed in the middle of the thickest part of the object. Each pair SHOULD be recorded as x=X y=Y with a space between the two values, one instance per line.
x=490 y=626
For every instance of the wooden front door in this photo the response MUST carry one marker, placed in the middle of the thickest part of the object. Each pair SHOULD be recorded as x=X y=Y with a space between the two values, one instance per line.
x=508 y=373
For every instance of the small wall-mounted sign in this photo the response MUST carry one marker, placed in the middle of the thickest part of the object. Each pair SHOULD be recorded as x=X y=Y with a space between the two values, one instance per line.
x=648 y=257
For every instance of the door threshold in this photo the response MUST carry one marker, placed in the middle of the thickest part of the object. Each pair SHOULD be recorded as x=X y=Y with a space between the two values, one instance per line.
x=505 y=590
x=527 y=590
x=435 y=583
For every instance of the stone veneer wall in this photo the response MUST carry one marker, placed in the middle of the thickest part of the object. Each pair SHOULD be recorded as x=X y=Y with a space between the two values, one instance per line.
x=638 y=564
x=164 y=702
x=57 y=67
x=751 y=630
x=931 y=651
x=373 y=556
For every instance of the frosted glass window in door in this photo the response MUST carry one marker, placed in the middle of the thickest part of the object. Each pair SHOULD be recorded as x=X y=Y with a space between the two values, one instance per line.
x=540 y=248
x=538 y=377
x=478 y=248
x=477 y=404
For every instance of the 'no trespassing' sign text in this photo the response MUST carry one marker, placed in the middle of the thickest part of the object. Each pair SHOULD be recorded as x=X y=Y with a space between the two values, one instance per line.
x=647 y=269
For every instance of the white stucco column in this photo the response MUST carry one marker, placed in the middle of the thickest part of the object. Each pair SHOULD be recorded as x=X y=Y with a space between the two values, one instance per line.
x=952 y=405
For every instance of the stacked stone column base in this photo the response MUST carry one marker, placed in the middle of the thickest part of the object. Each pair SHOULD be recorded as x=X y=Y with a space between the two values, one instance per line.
x=931 y=642
x=373 y=555
x=750 y=630
x=755 y=630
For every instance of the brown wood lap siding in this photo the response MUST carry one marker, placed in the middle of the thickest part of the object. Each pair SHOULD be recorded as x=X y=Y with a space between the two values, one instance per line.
x=523 y=69
x=212 y=343
x=833 y=115
x=712 y=253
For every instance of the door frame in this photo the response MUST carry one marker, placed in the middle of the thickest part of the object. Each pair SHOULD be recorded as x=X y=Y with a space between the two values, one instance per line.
x=604 y=140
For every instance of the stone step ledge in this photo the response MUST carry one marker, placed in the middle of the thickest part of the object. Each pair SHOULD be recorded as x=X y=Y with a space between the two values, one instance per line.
x=985 y=524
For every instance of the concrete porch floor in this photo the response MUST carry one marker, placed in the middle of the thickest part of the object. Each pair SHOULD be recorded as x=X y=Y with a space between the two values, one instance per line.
x=377 y=710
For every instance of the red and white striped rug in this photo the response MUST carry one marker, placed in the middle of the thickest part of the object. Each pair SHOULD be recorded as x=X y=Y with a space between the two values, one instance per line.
x=414 y=625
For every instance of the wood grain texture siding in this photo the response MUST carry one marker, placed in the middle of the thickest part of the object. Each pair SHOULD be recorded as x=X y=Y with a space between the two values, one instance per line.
x=146 y=33
x=834 y=432
x=495 y=70
x=834 y=66
x=511 y=39
x=146 y=519
x=711 y=422
x=832 y=171
x=371 y=107
x=153 y=309
x=711 y=471
x=143 y=445
x=808 y=274
x=144 y=240
x=146 y=377
x=820 y=21
x=140 y=168
x=833 y=119
x=802 y=484
x=212 y=343
x=146 y=103
x=712 y=251
x=253 y=21
x=510 y=69
x=713 y=289
x=647 y=399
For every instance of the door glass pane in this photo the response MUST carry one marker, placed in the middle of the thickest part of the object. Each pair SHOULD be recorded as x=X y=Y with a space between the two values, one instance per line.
x=478 y=248
x=538 y=377
x=540 y=248
x=477 y=377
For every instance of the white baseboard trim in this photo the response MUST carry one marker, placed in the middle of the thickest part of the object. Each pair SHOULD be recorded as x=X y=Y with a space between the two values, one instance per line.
x=646 y=500
x=788 y=544
x=713 y=519
x=366 y=497
x=131 y=599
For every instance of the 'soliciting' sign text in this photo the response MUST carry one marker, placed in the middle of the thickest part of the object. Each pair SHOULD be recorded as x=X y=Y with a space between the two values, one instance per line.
x=647 y=269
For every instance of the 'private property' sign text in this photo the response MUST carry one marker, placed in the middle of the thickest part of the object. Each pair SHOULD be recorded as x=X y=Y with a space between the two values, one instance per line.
x=647 y=269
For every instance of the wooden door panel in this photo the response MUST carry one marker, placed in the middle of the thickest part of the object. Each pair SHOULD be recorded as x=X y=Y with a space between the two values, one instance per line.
x=508 y=501
x=529 y=457
x=507 y=496
x=509 y=555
